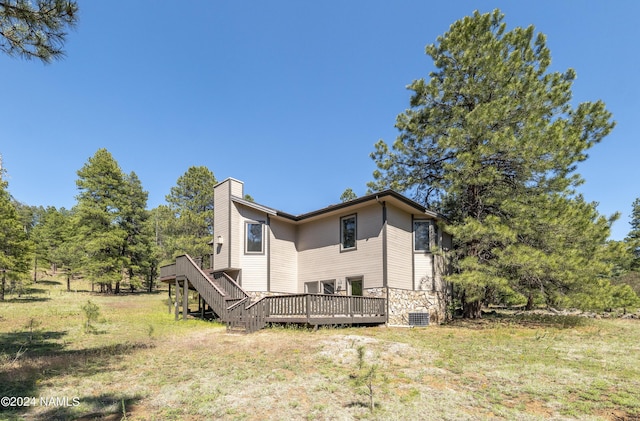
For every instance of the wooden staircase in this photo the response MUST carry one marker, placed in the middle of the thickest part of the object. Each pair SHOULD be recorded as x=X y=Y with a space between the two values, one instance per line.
x=225 y=297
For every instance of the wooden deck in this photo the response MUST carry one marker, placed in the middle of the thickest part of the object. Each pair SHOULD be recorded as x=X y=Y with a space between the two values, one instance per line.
x=235 y=307
x=321 y=309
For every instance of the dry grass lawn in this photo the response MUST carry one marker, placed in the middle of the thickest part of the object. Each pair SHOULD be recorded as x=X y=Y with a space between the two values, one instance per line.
x=140 y=364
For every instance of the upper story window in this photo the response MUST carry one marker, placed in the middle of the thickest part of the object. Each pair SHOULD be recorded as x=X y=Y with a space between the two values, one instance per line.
x=254 y=237
x=348 y=232
x=421 y=235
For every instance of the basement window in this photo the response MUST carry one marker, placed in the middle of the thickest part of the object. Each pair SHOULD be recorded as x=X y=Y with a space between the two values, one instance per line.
x=311 y=287
x=328 y=287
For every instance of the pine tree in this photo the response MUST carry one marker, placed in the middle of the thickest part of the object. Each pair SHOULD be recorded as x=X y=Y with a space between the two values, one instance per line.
x=101 y=198
x=348 y=195
x=189 y=226
x=36 y=32
x=139 y=248
x=490 y=134
x=15 y=247
x=633 y=238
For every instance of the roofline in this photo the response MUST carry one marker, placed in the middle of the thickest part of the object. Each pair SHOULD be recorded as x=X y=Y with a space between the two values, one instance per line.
x=363 y=199
x=254 y=205
x=378 y=196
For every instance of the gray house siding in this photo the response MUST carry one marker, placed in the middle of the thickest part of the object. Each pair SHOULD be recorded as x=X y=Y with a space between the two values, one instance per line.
x=399 y=249
x=320 y=256
x=284 y=257
x=254 y=265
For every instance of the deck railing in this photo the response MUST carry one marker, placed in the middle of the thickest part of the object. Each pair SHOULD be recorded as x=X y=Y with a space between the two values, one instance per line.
x=168 y=271
x=250 y=317
x=314 y=305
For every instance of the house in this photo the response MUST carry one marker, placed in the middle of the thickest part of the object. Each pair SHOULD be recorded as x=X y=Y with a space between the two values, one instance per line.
x=381 y=252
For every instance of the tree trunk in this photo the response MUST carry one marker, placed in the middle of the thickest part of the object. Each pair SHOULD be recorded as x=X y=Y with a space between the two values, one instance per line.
x=68 y=282
x=117 y=289
x=4 y=281
x=472 y=310
x=529 y=305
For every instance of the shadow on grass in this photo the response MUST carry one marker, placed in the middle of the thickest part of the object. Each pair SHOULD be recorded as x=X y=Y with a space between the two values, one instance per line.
x=105 y=407
x=45 y=282
x=25 y=364
x=36 y=343
x=27 y=299
x=527 y=320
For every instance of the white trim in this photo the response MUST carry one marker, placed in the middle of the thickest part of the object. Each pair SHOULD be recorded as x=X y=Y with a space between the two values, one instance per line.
x=253 y=205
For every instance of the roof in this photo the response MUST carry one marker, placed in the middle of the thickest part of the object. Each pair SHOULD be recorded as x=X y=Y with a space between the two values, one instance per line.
x=383 y=196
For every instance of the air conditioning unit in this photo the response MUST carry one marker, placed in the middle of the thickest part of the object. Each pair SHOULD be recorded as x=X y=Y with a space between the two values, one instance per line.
x=418 y=319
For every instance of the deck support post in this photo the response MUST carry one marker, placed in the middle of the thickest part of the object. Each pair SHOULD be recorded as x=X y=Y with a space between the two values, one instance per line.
x=185 y=299
x=177 y=302
x=308 y=307
x=170 y=302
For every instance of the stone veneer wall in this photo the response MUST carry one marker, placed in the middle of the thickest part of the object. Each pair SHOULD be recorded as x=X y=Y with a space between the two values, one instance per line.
x=257 y=295
x=402 y=302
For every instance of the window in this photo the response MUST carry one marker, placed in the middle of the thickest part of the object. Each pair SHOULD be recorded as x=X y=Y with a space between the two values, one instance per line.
x=328 y=287
x=254 y=237
x=421 y=235
x=348 y=232
x=311 y=287
x=322 y=287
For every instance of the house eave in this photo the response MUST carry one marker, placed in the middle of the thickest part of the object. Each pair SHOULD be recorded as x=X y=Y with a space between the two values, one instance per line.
x=385 y=195
x=254 y=205
x=391 y=196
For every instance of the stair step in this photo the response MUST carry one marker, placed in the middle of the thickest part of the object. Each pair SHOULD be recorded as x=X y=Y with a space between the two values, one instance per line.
x=237 y=327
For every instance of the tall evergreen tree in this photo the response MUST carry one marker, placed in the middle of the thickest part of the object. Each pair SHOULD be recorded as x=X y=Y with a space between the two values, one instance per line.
x=633 y=238
x=139 y=248
x=55 y=242
x=491 y=134
x=15 y=247
x=190 y=207
x=98 y=217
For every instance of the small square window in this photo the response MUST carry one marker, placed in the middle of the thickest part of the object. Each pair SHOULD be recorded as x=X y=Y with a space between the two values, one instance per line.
x=328 y=287
x=311 y=287
x=348 y=228
x=254 y=237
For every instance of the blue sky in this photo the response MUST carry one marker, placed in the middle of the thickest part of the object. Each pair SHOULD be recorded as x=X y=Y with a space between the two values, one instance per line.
x=287 y=96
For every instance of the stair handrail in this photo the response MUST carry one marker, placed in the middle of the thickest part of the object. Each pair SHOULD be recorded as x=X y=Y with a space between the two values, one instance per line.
x=201 y=272
x=231 y=287
x=238 y=304
x=236 y=314
x=185 y=266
